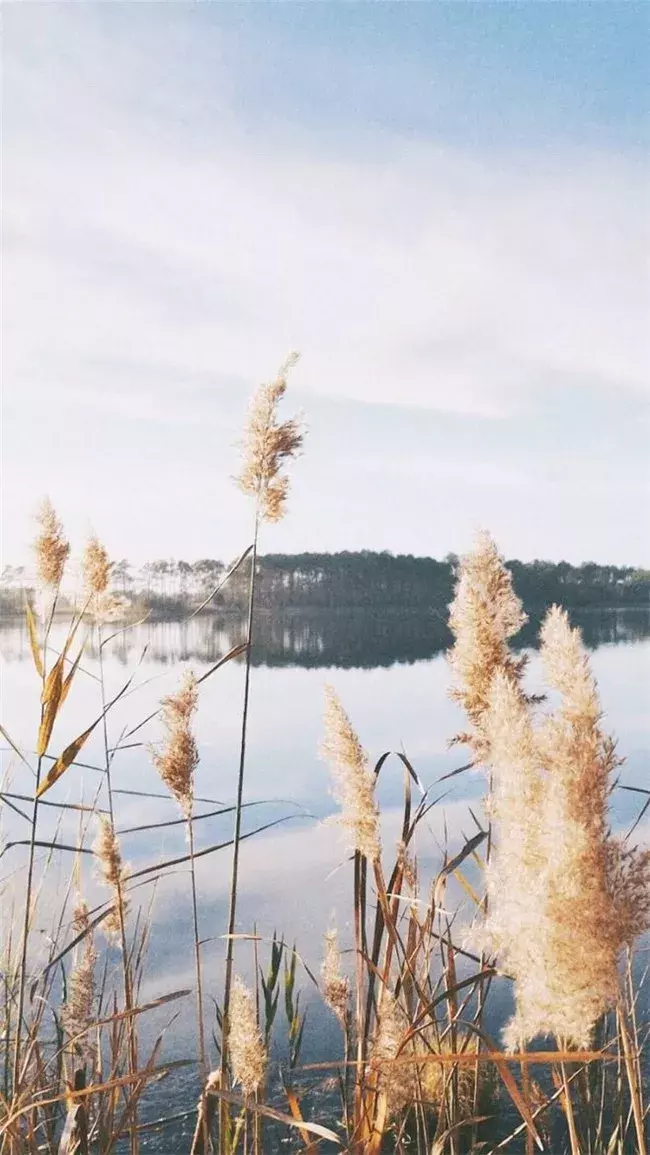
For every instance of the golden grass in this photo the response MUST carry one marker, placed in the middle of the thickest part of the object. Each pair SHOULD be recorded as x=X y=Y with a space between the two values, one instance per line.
x=557 y=908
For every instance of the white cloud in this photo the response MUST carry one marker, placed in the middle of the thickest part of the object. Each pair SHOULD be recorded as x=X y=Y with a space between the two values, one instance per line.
x=415 y=274
x=158 y=245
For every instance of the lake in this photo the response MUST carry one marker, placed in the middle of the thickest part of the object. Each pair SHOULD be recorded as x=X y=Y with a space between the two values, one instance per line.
x=391 y=675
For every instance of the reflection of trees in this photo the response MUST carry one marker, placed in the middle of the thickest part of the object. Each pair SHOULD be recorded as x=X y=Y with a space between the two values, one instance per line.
x=344 y=638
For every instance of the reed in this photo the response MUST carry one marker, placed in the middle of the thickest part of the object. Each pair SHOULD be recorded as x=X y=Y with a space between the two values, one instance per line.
x=538 y=894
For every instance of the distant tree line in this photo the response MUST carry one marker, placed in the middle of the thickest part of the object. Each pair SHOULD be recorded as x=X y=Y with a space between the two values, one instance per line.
x=352 y=580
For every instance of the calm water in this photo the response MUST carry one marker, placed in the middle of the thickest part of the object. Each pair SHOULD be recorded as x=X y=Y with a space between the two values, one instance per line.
x=392 y=678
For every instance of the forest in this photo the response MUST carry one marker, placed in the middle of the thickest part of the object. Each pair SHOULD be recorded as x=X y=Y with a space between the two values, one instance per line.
x=350 y=580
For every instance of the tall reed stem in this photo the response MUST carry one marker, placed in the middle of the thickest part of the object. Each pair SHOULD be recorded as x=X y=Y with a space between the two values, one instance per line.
x=126 y=969
x=30 y=871
x=232 y=912
x=197 y=957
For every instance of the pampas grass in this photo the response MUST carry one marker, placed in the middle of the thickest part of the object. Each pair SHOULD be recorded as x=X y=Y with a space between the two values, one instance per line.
x=564 y=903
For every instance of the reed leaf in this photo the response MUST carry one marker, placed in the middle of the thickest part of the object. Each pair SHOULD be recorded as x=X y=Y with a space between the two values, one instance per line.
x=33 y=639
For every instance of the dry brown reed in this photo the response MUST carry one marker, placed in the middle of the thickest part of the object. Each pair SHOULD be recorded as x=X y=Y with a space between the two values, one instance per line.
x=353 y=781
x=267 y=445
x=598 y=891
x=247 y=1052
x=96 y=567
x=177 y=758
x=109 y=855
x=51 y=547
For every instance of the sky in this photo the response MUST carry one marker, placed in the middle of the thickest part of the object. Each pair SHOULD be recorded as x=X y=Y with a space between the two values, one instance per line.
x=442 y=206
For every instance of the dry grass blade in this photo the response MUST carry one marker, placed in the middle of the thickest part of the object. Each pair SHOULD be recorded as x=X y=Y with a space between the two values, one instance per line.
x=16 y=749
x=233 y=569
x=279 y=1116
x=452 y=866
x=70 y=753
x=207 y=849
x=146 y=1073
x=33 y=639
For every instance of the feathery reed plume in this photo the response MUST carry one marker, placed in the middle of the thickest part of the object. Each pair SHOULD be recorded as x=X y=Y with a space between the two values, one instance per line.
x=103 y=605
x=177 y=759
x=107 y=850
x=598 y=893
x=334 y=985
x=484 y=614
x=51 y=546
x=247 y=1051
x=77 y=1010
x=267 y=445
x=354 y=783
x=96 y=567
x=516 y=927
x=395 y=1080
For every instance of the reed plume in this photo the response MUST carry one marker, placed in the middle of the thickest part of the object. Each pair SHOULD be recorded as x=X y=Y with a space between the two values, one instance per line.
x=598 y=891
x=354 y=782
x=335 y=986
x=484 y=614
x=77 y=1011
x=107 y=850
x=267 y=445
x=96 y=567
x=517 y=927
x=565 y=896
x=247 y=1051
x=51 y=546
x=395 y=1080
x=176 y=760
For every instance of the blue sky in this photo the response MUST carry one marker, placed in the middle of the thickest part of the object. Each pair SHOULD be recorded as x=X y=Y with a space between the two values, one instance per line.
x=442 y=205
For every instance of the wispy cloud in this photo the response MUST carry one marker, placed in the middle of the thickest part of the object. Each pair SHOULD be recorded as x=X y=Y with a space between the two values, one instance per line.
x=157 y=224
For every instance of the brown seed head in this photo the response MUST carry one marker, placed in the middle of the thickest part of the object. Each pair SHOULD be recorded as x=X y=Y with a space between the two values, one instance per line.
x=96 y=567
x=267 y=445
x=50 y=546
x=107 y=850
x=247 y=1051
x=177 y=758
x=354 y=783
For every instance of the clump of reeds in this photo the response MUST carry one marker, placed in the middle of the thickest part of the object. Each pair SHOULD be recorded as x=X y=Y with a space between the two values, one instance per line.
x=354 y=783
x=483 y=616
x=51 y=547
x=109 y=855
x=268 y=443
x=564 y=896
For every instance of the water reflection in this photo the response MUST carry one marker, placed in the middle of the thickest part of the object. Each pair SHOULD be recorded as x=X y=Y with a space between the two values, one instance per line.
x=344 y=639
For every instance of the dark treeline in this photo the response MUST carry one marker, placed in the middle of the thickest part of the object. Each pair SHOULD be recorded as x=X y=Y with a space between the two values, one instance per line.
x=351 y=581
x=403 y=582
